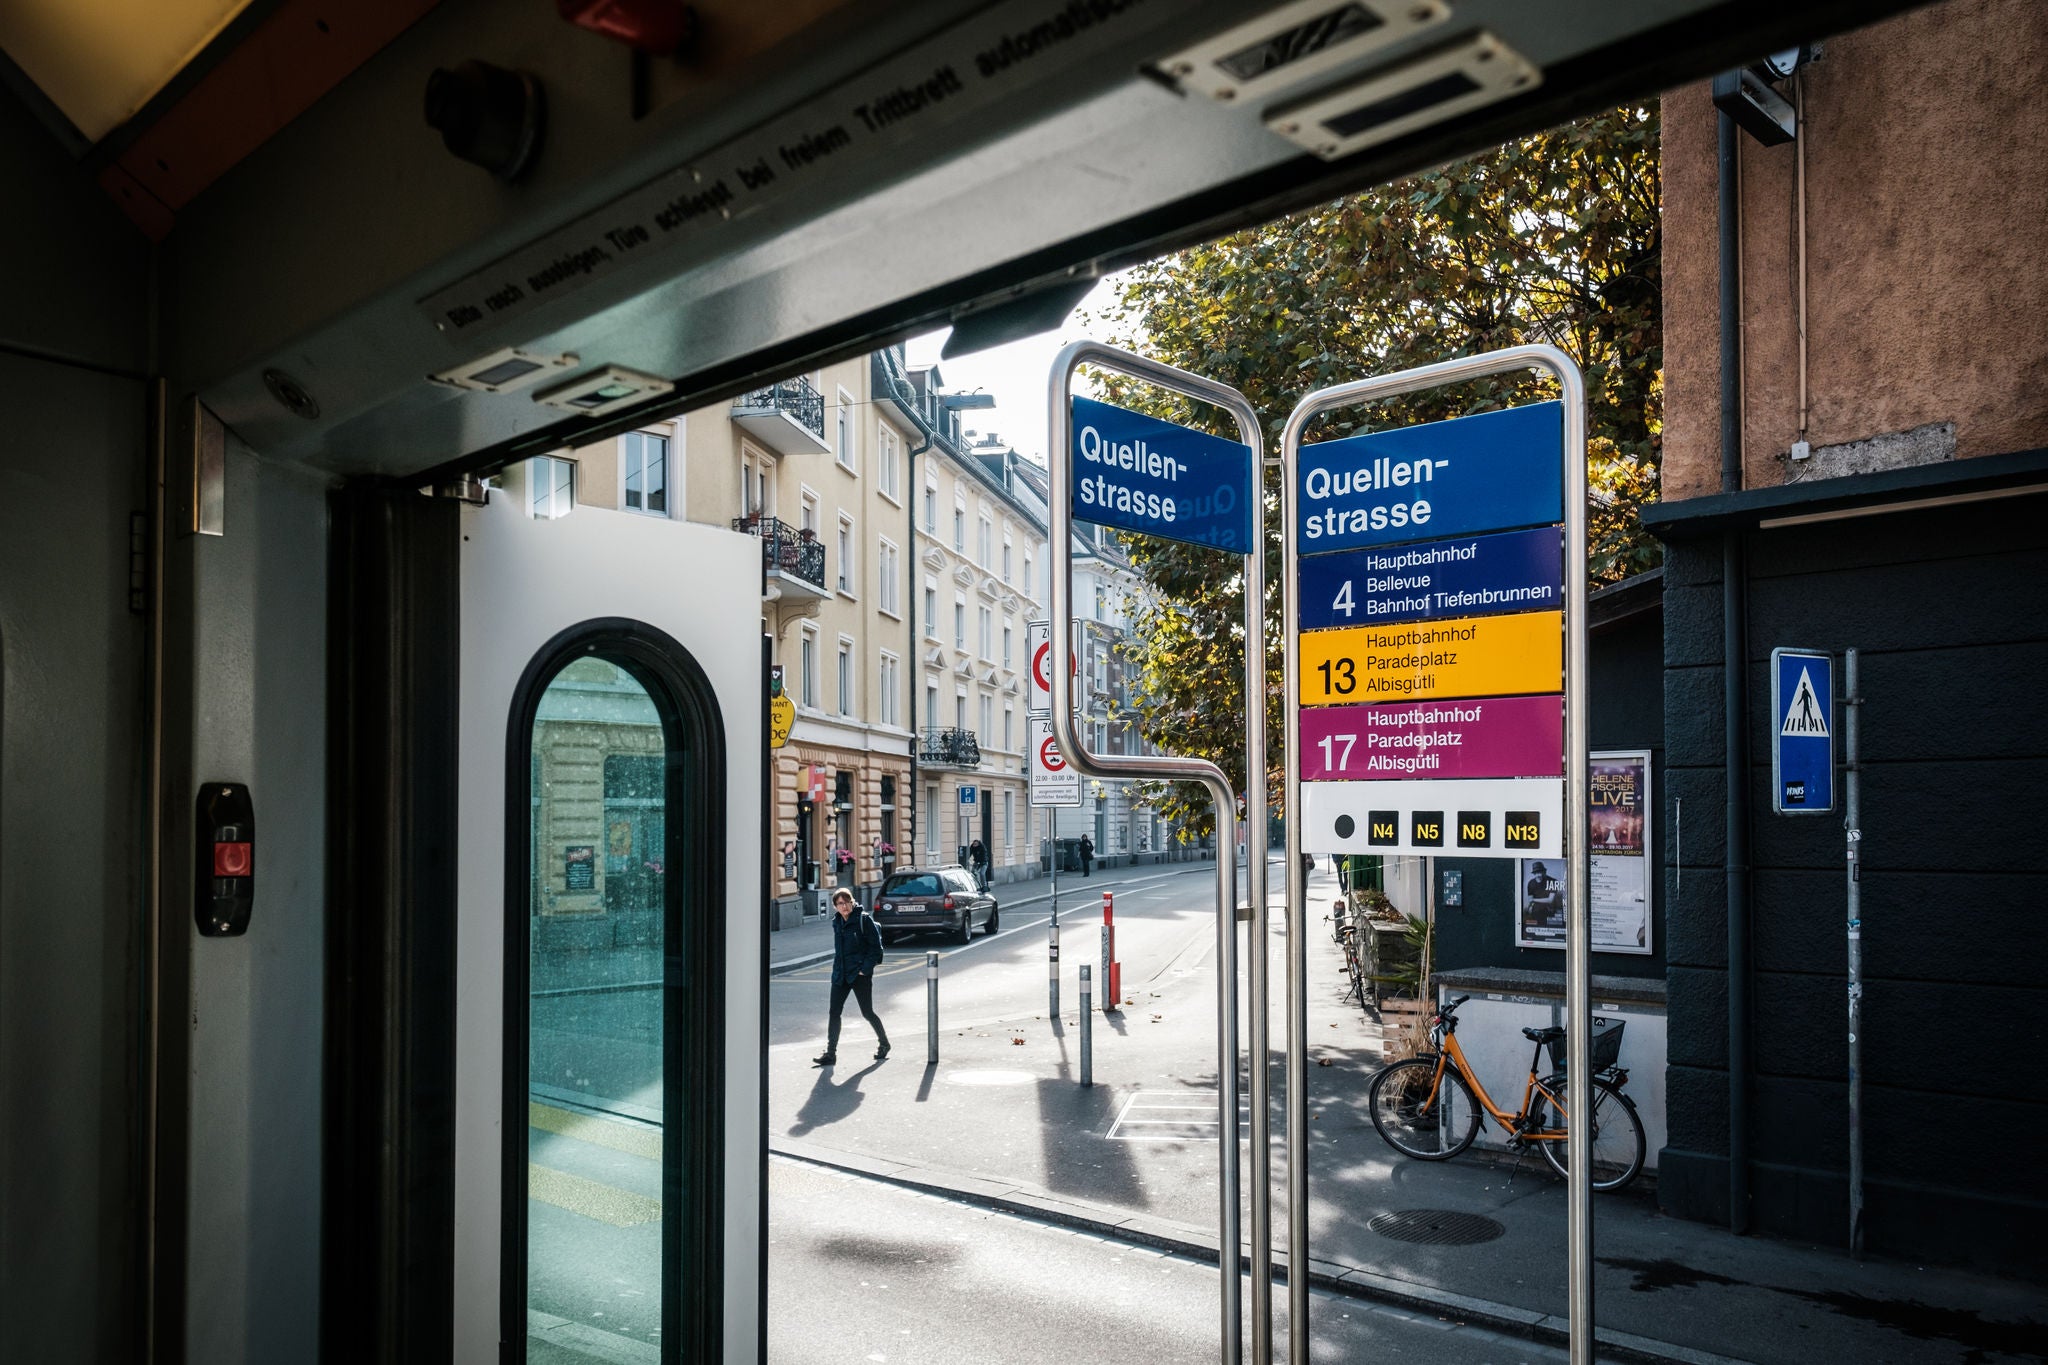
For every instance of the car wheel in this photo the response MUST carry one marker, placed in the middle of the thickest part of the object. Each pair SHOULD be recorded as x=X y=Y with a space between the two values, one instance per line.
x=965 y=932
x=994 y=913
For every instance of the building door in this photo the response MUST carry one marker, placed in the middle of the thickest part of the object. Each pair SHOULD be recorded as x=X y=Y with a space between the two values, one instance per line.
x=614 y=930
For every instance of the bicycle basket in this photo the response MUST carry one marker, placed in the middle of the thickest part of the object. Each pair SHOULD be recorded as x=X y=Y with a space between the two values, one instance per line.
x=1606 y=1044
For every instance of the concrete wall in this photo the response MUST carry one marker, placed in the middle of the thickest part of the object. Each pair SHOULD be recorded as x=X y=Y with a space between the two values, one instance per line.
x=1927 y=221
x=72 y=441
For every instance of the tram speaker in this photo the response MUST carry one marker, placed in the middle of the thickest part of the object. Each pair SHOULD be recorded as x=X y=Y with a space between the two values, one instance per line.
x=488 y=116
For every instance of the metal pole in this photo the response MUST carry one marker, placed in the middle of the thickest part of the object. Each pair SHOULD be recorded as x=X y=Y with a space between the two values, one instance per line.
x=1052 y=970
x=1087 y=1032
x=1059 y=443
x=931 y=1009
x=1852 y=781
x=1578 y=946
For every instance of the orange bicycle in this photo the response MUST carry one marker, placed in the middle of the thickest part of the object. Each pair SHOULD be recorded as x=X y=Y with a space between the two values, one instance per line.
x=1430 y=1107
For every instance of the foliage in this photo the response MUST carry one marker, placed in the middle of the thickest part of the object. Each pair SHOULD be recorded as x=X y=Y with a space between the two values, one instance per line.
x=1551 y=238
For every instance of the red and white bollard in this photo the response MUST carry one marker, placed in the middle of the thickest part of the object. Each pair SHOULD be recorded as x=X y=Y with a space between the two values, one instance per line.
x=1112 y=970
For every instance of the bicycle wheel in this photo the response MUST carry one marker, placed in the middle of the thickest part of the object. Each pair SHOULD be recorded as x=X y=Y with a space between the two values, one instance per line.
x=1420 y=1117
x=1618 y=1144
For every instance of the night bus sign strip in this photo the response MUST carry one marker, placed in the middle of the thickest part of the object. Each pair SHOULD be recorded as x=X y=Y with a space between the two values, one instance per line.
x=1141 y=475
x=1436 y=675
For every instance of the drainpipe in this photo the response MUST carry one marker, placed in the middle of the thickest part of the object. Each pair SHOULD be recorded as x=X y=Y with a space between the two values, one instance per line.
x=1734 y=682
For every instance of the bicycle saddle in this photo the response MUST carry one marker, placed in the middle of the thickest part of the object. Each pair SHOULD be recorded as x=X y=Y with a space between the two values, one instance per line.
x=1543 y=1035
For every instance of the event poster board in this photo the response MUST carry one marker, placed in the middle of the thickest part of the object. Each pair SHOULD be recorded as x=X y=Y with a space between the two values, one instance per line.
x=1620 y=873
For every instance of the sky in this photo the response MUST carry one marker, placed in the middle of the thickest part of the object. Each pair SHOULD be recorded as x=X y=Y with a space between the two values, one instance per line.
x=1016 y=374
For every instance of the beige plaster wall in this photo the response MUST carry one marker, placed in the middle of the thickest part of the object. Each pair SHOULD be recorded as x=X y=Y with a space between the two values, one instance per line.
x=1927 y=249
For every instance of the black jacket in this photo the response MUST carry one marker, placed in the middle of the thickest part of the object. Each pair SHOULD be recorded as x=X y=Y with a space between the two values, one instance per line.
x=856 y=946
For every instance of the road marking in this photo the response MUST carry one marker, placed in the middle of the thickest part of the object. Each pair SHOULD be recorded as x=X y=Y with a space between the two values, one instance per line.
x=591 y=1199
x=634 y=1139
x=1168 y=1101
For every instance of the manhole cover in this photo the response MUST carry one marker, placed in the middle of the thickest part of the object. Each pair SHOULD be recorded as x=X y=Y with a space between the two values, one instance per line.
x=1436 y=1227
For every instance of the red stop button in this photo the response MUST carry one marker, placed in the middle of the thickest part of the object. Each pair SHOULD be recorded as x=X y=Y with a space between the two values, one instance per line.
x=233 y=860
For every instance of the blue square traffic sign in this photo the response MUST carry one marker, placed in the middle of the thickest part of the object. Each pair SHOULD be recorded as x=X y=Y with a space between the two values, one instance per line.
x=1802 y=732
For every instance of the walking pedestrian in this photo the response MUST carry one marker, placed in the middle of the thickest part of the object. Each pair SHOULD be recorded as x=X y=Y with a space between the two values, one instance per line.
x=1087 y=856
x=856 y=952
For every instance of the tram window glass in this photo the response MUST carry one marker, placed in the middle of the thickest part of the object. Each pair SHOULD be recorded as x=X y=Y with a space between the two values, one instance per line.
x=645 y=460
x=553 y=485
x=596 y=1050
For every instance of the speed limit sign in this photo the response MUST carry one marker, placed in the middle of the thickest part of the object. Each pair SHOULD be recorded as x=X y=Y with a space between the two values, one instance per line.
x=1053 y=781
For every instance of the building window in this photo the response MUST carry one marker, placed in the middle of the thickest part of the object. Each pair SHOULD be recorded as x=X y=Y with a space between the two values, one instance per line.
x=845 y=676
x=807 y=519
x=1010 y=819
x=987 y=634
x=887 y=682
x=960 y=710
x=886 y=448
x=1006 y=559
x=553 y=483
x=757 y=484
x=983 y=539
x=960 y=528
x=1009 y=725
x=807 y=692
x=959 y=624
x=986 y=734
x=931 y=508
x=843 y=440
x=845 y=554
x=885 y=577
x=1006 y=644
x=931 y=612
x=1030 y=584
x=931 y=704
x=931 y=824
x=645 y=459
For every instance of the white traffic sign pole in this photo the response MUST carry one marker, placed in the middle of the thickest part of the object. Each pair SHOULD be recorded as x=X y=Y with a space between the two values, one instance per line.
x=1060 y=445
x=1578 y=945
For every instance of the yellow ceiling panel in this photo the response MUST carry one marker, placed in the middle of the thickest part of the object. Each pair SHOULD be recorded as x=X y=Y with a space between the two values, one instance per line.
x=101 y=60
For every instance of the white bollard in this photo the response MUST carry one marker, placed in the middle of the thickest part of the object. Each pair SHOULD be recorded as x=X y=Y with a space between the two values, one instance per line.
x=931 y=1009
x=1087 y=1034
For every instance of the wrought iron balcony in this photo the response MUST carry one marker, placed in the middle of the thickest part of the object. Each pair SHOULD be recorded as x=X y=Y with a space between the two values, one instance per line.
x=789 y=417
x=793 y=554
x=947 y=745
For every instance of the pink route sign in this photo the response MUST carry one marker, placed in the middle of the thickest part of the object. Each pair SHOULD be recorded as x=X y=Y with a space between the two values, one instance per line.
x=1480 y=737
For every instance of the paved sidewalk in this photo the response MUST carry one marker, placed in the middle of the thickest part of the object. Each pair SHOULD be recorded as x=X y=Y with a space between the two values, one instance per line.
x=789 y=949
x=1002 y=1119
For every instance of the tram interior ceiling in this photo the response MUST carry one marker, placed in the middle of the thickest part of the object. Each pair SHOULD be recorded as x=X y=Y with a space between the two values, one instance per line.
x=243 y=212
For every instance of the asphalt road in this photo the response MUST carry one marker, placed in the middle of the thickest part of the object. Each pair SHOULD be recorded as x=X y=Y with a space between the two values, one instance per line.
x=865 y=1273
x=1163 y=920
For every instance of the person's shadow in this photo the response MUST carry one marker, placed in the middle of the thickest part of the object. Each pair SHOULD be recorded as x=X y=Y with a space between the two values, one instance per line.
x=830 y=1101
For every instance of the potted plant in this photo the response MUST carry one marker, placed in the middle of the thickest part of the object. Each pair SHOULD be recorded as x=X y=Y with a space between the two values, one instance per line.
x=885 y=856
x=842 y=862
x=1404 y=1016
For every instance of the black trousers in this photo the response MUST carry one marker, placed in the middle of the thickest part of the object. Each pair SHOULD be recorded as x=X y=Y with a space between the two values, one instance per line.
x=862 y=988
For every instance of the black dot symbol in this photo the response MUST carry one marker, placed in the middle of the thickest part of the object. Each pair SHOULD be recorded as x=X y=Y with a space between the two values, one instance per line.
x=1345 y=827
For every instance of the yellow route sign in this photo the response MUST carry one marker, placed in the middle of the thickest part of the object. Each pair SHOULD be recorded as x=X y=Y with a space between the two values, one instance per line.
x=1469 y=656
x=781 y=715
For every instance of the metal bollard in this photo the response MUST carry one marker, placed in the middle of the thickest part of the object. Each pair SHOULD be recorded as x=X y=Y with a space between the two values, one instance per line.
x=931 y=1009
x=1052 y=970
x=1087 y=1034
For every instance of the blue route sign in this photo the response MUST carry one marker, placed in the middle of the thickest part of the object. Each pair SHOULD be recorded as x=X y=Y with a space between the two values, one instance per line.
x=1140 y=474
x=1470 y=576
x=1802 y=732
x=1487 y=472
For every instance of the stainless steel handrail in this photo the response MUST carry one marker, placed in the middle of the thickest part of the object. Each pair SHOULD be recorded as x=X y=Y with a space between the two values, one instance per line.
x=1060 y=461
x=1578 y=951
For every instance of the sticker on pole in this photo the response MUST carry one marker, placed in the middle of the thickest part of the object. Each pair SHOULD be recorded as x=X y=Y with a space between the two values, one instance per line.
x=1053 y=780
x=1803 y=743
x=1140 y=474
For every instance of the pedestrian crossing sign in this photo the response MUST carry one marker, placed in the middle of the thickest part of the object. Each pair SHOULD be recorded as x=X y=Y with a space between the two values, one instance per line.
x=1802 y=742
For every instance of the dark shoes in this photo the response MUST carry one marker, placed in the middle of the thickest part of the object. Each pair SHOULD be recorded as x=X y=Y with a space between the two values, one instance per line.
x=825 y=1060
x=882 y=1051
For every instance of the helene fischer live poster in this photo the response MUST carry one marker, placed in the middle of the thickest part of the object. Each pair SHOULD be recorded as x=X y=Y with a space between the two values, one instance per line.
x=1620 y=871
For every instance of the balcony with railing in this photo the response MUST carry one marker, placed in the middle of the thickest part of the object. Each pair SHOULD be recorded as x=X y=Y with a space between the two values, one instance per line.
x=787 y=417
x=957 y=748
x=795 y=560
